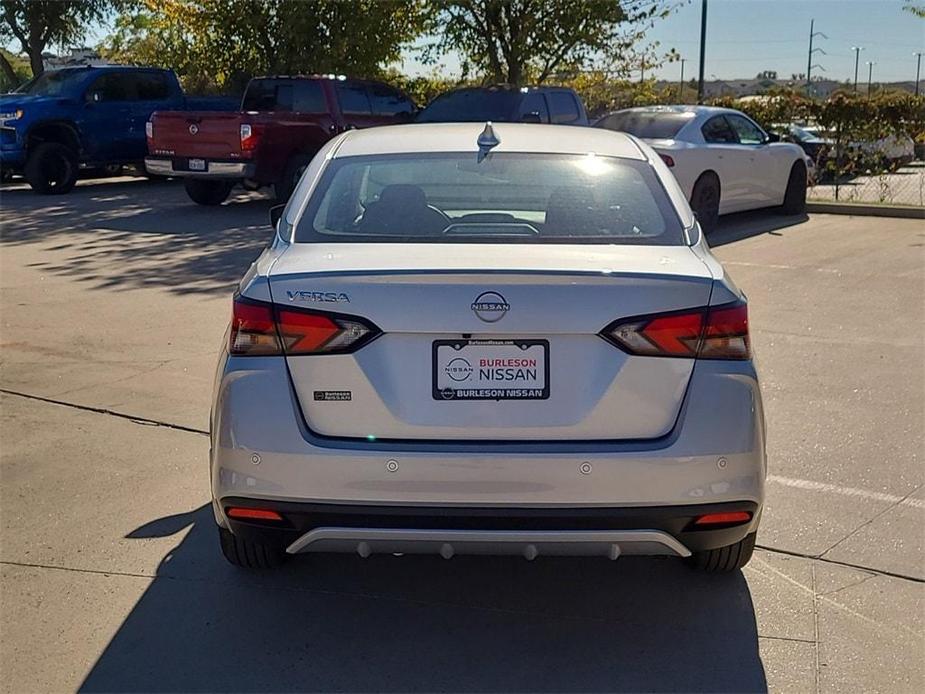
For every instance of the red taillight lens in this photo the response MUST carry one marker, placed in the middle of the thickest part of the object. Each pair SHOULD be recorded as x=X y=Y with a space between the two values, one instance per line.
x=261 y=329
x=253 y=329
x=727 y=518
x=263 y=514
x=706 y=333
x=669 y=162
x=250 y=137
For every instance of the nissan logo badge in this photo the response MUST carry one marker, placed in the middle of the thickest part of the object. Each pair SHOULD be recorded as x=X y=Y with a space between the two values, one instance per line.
x=490 y=307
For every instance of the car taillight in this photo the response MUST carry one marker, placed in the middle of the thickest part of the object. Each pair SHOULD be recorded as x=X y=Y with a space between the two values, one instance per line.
x=262 y=329
x=669 y=162
x=253 y=329
x=250 y=137
x=712 y=332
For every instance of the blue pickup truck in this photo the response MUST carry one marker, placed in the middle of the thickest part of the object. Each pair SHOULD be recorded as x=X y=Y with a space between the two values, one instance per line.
x=86 y=117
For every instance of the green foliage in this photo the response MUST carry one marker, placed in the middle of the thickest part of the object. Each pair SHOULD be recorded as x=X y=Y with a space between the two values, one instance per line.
x=219 y=44
x=528 y=41
x=38 y=24
x=19 y=67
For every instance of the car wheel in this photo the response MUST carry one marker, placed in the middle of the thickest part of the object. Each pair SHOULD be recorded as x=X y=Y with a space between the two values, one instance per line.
x=51 y=169
x=247 y=554
x=795 y=195
x=725 y=559
x=291 y=176
x=705 y=201
x=207 y=192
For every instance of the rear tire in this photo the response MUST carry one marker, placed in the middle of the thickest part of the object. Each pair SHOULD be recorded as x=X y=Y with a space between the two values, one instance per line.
x=247 y=554
x=294 y=169
x=207 y=192
x=795 y=194
x=705 y=201
x=725 y=559
x=51 y=169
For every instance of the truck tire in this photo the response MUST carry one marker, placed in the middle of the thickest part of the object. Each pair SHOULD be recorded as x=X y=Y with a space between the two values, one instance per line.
x=725 y=559
x=296 y=166
x=795 y=194
x=207 y=192
x=51 y=169
x=247 y=554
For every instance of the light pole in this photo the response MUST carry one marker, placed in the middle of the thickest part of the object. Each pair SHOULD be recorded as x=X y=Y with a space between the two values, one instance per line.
x=870 y=72
x=703 y=48
x=857 y=55
x=918 y=69
x=681 y=83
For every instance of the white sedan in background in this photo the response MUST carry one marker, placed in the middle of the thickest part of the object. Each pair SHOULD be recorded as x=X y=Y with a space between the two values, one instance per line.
x=722 y=159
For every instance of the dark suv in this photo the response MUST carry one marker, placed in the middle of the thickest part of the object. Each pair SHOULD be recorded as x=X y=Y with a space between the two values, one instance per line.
x=500 y=104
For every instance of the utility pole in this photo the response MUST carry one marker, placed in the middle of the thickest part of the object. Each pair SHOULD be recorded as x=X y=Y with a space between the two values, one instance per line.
x=681 y=83
x=809 y=60
x=857 y=54
x=703 y=48
x=870 y=72
x=918 y=69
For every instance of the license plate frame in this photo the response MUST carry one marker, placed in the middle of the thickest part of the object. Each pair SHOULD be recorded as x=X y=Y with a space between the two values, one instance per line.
x=200 y=165
x=475 y=393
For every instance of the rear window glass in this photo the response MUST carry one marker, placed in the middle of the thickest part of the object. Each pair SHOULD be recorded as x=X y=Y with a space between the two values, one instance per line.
x=504 y=198
x=564 y=107
x=471 y=105
x=268 y=95
x=655 y=126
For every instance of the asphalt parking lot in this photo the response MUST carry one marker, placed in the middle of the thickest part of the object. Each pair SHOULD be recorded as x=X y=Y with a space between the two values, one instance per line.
x=114 y=300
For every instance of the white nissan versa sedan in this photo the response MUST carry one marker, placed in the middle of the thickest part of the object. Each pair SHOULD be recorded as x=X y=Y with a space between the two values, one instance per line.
x=722 y=159
x=475 y=339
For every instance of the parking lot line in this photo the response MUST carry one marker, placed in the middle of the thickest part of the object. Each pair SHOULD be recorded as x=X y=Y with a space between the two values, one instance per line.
x=846 y=491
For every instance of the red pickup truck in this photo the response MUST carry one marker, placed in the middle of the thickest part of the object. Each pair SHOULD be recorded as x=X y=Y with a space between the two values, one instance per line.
x=282 y=123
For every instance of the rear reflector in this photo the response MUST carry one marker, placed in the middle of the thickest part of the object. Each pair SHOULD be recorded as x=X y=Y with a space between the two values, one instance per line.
x=253 y=514
x=727 y=518
x=710 y=332
x=262 y=329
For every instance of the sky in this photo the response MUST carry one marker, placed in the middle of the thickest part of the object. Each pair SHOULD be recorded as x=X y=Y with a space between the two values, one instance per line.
x=745 y=37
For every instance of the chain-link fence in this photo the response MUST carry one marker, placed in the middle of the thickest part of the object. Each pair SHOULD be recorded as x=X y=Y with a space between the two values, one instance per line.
x=901 y=185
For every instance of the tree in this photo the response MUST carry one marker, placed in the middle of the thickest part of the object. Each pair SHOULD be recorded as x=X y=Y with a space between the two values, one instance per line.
x=37 y=24
x=515 y=41
x=221 y=43
x=15 y=70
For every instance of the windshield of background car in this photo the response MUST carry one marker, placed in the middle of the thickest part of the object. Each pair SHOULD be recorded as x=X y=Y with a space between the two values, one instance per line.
x=471 y=106
x=51 y=83
x=654 y=126
x=504 y=198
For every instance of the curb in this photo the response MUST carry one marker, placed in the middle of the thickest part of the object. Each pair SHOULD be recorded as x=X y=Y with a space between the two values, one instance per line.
x=862 y=210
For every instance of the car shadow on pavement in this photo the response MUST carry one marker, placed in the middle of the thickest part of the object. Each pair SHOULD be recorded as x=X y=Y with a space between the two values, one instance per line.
x=744 y=225
x=135 y=233
x=341 y=623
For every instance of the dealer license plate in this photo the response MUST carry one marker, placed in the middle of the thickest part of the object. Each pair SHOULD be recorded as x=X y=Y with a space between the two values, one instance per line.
x=491 y=369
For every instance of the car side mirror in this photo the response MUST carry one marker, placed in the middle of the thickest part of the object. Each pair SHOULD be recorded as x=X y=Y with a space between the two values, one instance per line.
x=532 y=117
x=276 y=214
x=772 y=137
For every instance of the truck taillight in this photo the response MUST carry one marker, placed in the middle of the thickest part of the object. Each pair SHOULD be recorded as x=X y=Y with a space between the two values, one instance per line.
x=262 y=329
x=711 y=332
x=250 y=137
x=149 y=130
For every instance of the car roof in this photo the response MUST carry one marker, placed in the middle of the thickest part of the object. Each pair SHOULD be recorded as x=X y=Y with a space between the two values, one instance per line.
x=680 y=108
x=513 y=137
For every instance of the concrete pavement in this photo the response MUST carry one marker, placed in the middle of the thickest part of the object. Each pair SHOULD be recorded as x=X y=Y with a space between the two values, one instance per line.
x=112 y=302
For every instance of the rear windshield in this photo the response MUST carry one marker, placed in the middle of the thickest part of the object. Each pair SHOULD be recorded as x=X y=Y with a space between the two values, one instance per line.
x=654 y=126
x=301 y=96
x=504 y=198
x=471 y=106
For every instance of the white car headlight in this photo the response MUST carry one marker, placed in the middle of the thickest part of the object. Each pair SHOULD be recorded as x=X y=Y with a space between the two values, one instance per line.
x=11 y=115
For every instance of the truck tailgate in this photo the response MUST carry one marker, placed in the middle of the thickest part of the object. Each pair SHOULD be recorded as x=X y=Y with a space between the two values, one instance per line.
x=205 y=134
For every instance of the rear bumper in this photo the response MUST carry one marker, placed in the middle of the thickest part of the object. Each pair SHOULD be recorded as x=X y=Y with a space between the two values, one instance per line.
x=264 y=454
x=160 y=166
x=450 y=530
